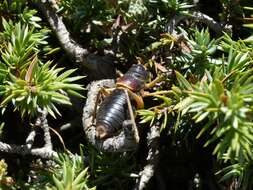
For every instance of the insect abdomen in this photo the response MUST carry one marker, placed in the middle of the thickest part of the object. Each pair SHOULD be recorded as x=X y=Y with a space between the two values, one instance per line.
x=111 y=114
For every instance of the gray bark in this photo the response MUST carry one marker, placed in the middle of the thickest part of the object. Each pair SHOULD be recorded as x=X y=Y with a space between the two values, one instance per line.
x=152 y=159
x=44 y=152
x=95 y=66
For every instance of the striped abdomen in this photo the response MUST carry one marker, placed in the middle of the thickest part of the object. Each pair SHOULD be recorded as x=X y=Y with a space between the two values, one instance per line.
x=111 y=114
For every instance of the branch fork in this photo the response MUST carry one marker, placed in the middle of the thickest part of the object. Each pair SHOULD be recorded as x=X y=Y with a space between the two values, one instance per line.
x=46 y=151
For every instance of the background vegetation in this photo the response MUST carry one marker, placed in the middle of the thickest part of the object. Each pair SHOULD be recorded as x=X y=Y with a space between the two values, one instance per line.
x=203 y=106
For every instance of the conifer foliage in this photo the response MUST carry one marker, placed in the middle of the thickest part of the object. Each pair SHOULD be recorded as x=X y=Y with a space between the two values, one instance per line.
x=196 y=118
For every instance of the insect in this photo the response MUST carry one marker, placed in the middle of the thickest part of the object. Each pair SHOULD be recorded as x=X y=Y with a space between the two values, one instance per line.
x=116 y=109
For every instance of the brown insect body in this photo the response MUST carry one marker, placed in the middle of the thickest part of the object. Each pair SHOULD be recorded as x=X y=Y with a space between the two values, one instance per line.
x=113 y=111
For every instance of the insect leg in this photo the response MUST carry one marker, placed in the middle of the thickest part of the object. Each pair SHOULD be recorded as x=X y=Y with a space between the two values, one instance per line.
x=162 y=92
x=94 y=114
x=106 y=91
x=132 y=119
x=153 y=82
x=138 y=100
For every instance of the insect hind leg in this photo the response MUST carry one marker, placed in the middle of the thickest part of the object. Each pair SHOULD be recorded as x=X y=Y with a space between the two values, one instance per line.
x=131 y=123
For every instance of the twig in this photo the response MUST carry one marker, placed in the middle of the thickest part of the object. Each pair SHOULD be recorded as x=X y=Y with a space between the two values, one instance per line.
x=44 y=152
x=152 y=158
x=30 y=139
x=24 y=150
x=199 y=17
x=72 y=48
x=173 y=22
x=210 y=22
x=42 y=122
x=125 y=141
x=59 y=137
x=73 y=122
x=95 y=66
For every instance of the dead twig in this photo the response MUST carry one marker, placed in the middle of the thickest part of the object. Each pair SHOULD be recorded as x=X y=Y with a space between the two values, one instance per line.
x=24 y=150
x=210 y=22
x=44 y=152
x=95 y=66
x=152 y=158
x=42 y=122
x=197 y=16
x=30 y=139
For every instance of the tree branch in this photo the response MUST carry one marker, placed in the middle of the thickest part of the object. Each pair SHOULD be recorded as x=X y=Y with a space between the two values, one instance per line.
x=210 y=22
x=44 y=152
x=125 y=141
x=42 y=122
x=198 y=17
x=95 y=66
x=152 y=158
x=30 y=139
x=24 y=150
x=73 y=49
